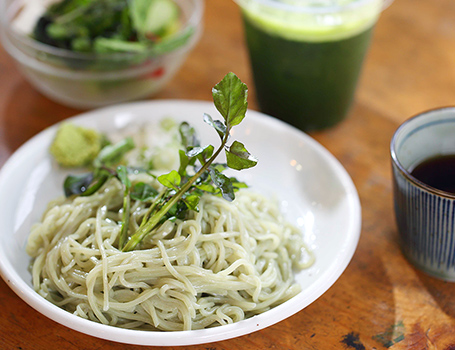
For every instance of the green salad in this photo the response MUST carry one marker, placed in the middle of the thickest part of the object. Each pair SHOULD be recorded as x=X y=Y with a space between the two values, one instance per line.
x=110 y=26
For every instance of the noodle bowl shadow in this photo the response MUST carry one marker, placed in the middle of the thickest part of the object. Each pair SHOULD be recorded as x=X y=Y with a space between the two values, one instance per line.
x=314 y=191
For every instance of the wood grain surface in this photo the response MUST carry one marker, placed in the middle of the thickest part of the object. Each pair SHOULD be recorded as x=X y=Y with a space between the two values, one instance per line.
x=381 y=301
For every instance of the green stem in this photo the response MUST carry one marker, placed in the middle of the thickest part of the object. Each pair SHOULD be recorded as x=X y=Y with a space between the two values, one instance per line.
x=125 y=219
x=113 y=153
x=152 y=208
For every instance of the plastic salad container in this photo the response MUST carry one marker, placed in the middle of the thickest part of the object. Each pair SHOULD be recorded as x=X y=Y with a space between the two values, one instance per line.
x=88 y=79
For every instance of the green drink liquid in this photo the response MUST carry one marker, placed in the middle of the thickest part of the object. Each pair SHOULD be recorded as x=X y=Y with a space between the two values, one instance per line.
x=303 y=77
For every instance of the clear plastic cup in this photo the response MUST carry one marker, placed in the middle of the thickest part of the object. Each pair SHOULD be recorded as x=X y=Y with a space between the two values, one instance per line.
x=306 y=55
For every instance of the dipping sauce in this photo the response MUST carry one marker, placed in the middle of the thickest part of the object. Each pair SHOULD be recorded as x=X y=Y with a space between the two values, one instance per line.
x=437 y=172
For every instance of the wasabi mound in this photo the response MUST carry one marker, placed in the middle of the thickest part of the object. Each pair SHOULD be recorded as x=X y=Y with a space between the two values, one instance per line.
x=75 y=146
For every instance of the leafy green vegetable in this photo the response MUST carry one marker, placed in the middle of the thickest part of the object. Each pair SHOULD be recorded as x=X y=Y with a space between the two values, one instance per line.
x=223 y=183
x=143 y=192
x=182 y=189
x=171 y=180
x=230 y=97
x=77 y=184
x=112 y=154
x=104 y=26
x=238 y=157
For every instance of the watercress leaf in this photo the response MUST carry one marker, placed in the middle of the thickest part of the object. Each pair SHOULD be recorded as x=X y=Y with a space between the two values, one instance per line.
x=176 y=211
x=216 y=124
x=207 y=153
x=170 y=180
x=230 y=98
x=192 y=201
x=203 y=178
x=206 y=188
x=239 y=158
x=223 y=183
x=202 y=153
x=122 y=173
x=184 y=162
x=188 y=136
x=182 y=209
x=143 y=192
x=194 y=151
x=219 y=166
x=237 y=184
x=77 y=184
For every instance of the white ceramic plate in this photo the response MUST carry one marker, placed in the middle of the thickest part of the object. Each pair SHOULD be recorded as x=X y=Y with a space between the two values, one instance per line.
x=314 y=190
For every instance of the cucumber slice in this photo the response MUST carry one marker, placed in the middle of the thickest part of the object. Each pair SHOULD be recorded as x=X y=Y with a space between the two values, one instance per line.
x=161 y=15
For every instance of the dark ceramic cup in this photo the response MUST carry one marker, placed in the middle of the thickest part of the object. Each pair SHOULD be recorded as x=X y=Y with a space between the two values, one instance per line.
x=425 y=215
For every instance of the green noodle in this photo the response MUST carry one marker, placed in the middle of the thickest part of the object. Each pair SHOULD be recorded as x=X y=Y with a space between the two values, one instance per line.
x=227 y=262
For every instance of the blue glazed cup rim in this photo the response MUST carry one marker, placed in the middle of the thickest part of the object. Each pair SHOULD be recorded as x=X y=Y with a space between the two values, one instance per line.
x=404 y=172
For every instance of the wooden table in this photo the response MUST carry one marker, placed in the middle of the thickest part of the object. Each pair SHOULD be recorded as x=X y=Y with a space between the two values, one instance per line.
x=380 y=301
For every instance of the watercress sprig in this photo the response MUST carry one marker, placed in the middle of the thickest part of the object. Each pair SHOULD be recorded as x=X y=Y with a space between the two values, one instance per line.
x=197 y=174
x=230 y=98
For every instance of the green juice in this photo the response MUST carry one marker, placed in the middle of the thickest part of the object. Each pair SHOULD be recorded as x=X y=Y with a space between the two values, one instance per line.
x=303 y=77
